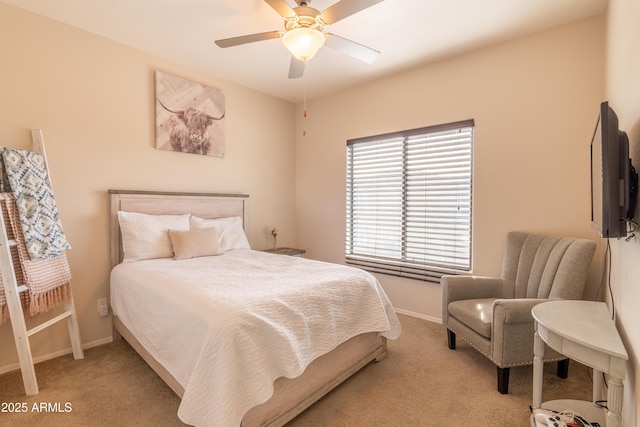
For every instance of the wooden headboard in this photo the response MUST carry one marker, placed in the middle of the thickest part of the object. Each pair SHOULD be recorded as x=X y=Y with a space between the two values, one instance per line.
x=203 y=205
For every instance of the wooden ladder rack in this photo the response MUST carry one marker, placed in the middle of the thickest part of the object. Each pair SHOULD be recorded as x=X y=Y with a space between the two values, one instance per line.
x=12 y=294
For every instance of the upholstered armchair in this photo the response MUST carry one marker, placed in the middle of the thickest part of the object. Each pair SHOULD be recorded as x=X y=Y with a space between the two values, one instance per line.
x=494 y=314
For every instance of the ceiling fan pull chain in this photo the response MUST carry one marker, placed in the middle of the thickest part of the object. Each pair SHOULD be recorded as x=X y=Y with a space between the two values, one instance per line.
x=304 y=97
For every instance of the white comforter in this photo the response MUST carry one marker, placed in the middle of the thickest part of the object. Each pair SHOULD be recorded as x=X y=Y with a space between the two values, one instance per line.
x=227 y=326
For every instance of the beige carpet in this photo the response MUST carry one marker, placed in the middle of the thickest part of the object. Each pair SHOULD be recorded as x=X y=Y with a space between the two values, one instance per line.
x=420 y=383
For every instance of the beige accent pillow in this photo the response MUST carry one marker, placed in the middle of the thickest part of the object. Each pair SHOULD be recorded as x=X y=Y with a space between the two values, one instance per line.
x=146 y=236
x=195 y=243
x=231 y=233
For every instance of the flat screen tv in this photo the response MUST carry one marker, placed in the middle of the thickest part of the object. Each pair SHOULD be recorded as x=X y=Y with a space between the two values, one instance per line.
x=614 y=181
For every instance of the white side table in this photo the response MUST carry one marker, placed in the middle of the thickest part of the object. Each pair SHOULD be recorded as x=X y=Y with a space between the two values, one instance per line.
x=583 y=331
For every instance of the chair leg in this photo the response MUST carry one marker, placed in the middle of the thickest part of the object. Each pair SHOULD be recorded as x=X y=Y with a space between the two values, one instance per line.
x=563 y=368
x=503 y=380
x=451 y=339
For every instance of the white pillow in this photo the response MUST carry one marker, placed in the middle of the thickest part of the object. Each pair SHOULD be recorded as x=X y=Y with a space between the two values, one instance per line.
x=146 y=236
x=195 y=243
x=230 y=231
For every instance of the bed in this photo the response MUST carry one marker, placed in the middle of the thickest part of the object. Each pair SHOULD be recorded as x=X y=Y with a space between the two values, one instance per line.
x=237 y=340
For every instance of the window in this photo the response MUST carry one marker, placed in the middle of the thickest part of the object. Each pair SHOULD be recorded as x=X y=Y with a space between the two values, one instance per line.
x=409 y=202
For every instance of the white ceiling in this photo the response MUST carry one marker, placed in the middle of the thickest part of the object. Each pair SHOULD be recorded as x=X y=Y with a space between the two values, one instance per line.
x=408 y=33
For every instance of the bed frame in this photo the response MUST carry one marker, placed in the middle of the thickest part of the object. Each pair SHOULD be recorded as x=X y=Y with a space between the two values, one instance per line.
x=291 y=396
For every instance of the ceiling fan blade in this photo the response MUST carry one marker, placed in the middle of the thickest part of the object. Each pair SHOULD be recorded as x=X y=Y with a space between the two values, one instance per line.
x=351 y=48
x=235 y=41
x=281 y=7
x=296 y=68
x=345 y=8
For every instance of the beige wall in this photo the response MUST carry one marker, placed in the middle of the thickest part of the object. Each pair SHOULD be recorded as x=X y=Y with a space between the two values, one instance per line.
x=623 y=93
x=535 y=103
x=94 y=100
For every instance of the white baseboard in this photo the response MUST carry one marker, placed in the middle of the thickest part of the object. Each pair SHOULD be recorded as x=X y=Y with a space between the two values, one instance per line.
x=16 y=366
x=419 y=315
x=38 y=359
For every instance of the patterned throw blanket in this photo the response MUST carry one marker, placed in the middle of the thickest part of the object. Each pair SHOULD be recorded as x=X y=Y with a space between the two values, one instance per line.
x=32 y=220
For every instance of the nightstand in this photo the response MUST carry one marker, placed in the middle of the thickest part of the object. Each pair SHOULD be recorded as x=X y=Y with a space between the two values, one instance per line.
x=287 y=251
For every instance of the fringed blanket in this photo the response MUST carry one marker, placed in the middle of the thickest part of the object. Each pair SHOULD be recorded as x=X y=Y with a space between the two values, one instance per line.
x=31 y=219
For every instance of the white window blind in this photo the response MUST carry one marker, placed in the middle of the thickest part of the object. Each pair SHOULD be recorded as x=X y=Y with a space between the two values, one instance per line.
x=409 y=201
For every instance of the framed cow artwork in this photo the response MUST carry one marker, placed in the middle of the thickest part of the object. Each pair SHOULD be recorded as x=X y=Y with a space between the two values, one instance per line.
x=189 y=116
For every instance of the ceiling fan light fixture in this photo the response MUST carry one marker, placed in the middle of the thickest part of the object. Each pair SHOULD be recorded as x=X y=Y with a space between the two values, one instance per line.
x=303 y=42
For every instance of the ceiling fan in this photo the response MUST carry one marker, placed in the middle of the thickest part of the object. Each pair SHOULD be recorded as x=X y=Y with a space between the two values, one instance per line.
x=304 y=35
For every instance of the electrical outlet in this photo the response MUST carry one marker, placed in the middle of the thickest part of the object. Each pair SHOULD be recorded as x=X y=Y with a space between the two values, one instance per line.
x=103 y=307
